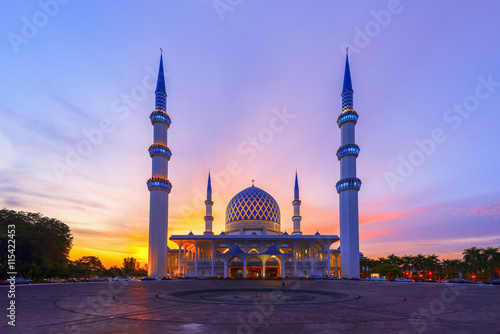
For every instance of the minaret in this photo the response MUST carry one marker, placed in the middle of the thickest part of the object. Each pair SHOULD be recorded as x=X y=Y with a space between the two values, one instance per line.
x=158 y=185
x=208 y=204
x=296 y=208
x=349 y=184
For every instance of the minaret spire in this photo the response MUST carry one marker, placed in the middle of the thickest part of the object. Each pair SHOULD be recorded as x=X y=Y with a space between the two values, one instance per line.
x=208 y=208
x=347 y=75
x=160 y=83
x=296 y=208
x=348 y=185
x=158 y=185
x=296 y=188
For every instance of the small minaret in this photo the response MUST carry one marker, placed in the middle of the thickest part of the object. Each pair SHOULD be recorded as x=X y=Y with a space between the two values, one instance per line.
x=349 y=184
x=158 y=185
x=296 y=208
x=208 y=204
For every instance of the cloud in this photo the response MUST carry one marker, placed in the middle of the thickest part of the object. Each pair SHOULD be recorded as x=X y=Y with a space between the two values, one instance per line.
x=485 y=210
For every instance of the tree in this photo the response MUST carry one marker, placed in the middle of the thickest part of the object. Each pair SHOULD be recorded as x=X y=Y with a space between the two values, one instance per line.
x=431 y=262
x=88 y=266
x=419 y=263
x=113 y=271
x=472 y=257
x=130 y=265
x=489 y=255
x=407 y=262
x=387 y=270
x=394 y=260
x=42 y=244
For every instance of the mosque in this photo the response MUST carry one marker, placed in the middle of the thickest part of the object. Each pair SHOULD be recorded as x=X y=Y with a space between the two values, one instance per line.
x=253 y=245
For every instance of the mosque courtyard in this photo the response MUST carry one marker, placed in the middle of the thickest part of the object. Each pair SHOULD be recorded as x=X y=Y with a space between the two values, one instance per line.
x=255 y=306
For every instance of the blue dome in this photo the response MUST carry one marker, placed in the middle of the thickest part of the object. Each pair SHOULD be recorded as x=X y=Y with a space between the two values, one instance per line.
x=253 y=204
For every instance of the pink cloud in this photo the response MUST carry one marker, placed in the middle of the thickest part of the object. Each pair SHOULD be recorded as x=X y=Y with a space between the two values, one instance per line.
x=485 y=210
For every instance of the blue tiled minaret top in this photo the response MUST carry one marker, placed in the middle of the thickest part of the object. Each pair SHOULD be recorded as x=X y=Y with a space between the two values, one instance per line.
x=347 y=92
x=296 y=189
x=209 y=188
x=161 y=93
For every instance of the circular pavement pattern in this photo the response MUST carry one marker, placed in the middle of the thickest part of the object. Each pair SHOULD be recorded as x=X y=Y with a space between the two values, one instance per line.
x=262 y=296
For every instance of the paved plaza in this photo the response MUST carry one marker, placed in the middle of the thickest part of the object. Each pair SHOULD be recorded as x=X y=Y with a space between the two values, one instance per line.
x=238 y=306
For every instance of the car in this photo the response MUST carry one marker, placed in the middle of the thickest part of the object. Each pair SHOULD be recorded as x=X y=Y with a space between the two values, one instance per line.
x=402 y=279
x=315 y=277
x=72 y=279
x=354 y=279
x=459 y=281
x=494 y=282
x=55 y=280
x=148 y=278
x=335 y=278
x=202 y=277
x=120 y=279
x=22 y=280
x=377 y=279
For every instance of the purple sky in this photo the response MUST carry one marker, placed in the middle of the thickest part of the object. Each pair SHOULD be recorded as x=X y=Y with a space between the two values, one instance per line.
x=426 y=79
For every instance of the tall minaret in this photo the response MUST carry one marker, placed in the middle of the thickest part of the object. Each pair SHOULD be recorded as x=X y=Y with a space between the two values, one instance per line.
x=158 y=185
x=208 y=212
x=296 y=208
x=349 y=184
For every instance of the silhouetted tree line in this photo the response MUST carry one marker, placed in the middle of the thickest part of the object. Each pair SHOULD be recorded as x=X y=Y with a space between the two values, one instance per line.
x=42 y=247
x=479 y=264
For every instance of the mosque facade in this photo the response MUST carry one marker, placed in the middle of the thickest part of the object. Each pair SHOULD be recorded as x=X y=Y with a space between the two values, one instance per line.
x=253 y=244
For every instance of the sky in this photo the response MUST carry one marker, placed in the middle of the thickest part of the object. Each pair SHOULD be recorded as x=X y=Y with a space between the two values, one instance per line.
x=254 y=94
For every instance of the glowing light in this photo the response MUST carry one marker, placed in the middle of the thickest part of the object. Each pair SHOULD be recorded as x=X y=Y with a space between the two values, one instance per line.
x=160 y=116
x=348 y=183
x=349 y=116
x=349 y=149
x=159 y=149
x=159 y=183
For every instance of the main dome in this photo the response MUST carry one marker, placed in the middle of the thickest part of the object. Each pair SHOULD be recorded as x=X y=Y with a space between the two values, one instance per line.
x=253 y=209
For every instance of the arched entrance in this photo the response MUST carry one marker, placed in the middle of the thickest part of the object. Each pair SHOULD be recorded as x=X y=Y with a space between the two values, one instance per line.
x=235 y=267
x=273 y=265
x=254 y=267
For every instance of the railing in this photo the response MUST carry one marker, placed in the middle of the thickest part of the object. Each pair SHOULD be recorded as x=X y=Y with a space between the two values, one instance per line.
x=348 y=183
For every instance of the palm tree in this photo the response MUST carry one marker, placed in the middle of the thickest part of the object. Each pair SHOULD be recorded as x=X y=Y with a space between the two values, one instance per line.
x=490 y=254
x=394 y=260
x=472 y=256
x=452 y=268
x=431 y=262
x=406 y=261
x=365 y=265
x=419 y=263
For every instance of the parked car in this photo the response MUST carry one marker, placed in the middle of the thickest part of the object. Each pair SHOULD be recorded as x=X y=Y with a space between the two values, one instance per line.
x=354 y=279
x=459 y=281
x=99 y=279
x=377 y=279
x=148 y=278
x=120 y=279
x=335 y=278
x=315 y=277
x=494 y=282
x=72 y=279
x=402 y=279
x=54 y=280
x=22 y=280
x=202 y=277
